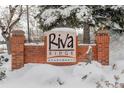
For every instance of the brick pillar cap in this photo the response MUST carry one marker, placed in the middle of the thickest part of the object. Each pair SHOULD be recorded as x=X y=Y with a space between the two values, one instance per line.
x=18 y=32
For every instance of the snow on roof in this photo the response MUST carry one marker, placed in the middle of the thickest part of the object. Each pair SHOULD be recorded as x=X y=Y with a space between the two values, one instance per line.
x=61 y=29
x=87 y=44
x=64 y=29
x=3 y=46
x=34 y=44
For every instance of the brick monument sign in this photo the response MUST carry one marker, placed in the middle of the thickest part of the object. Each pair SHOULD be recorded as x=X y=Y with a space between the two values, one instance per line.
x=59 y=48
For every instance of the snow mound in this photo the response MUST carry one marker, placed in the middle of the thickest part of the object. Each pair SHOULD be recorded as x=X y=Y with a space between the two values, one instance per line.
x=44 y=75
x=93 y=71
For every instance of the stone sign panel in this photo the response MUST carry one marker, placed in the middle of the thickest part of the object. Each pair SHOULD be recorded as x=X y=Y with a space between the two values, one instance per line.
x=61 y=46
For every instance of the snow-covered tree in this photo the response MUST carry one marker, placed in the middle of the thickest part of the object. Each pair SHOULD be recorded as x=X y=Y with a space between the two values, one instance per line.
x=112 y=16
x=9 y=17
x=62 y=15
x=74 y=16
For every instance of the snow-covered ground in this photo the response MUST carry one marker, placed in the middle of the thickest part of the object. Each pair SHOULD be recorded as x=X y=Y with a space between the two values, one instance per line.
x=44 y=75
x=80 y=75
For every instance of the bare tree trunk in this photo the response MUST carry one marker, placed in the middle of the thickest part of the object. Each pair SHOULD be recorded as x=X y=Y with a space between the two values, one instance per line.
x=86 y=34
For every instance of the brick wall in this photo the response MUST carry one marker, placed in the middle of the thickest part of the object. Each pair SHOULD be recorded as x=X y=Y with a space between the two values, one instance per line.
x=23 y=54
x=17 y=49
x=102 y=41
x=81 y=52
x=34 y=54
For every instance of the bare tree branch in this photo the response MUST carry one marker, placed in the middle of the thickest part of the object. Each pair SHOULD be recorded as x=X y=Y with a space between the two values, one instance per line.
x=6 y=26
x=17 y=19
x=1 y=26
x=12 y=12
x=11 y=22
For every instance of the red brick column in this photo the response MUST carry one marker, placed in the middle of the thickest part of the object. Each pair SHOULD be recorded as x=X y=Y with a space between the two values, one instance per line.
x=102 y=41
x=17 y=49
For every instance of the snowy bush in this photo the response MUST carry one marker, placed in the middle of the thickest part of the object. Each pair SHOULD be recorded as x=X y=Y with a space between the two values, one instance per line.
x=3 y=60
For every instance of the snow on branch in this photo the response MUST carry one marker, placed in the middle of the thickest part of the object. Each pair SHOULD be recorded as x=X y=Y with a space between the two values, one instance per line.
x=51 y=15
x=13 y=17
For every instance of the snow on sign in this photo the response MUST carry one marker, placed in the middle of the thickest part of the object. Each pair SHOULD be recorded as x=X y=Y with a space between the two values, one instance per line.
x=61 y=45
